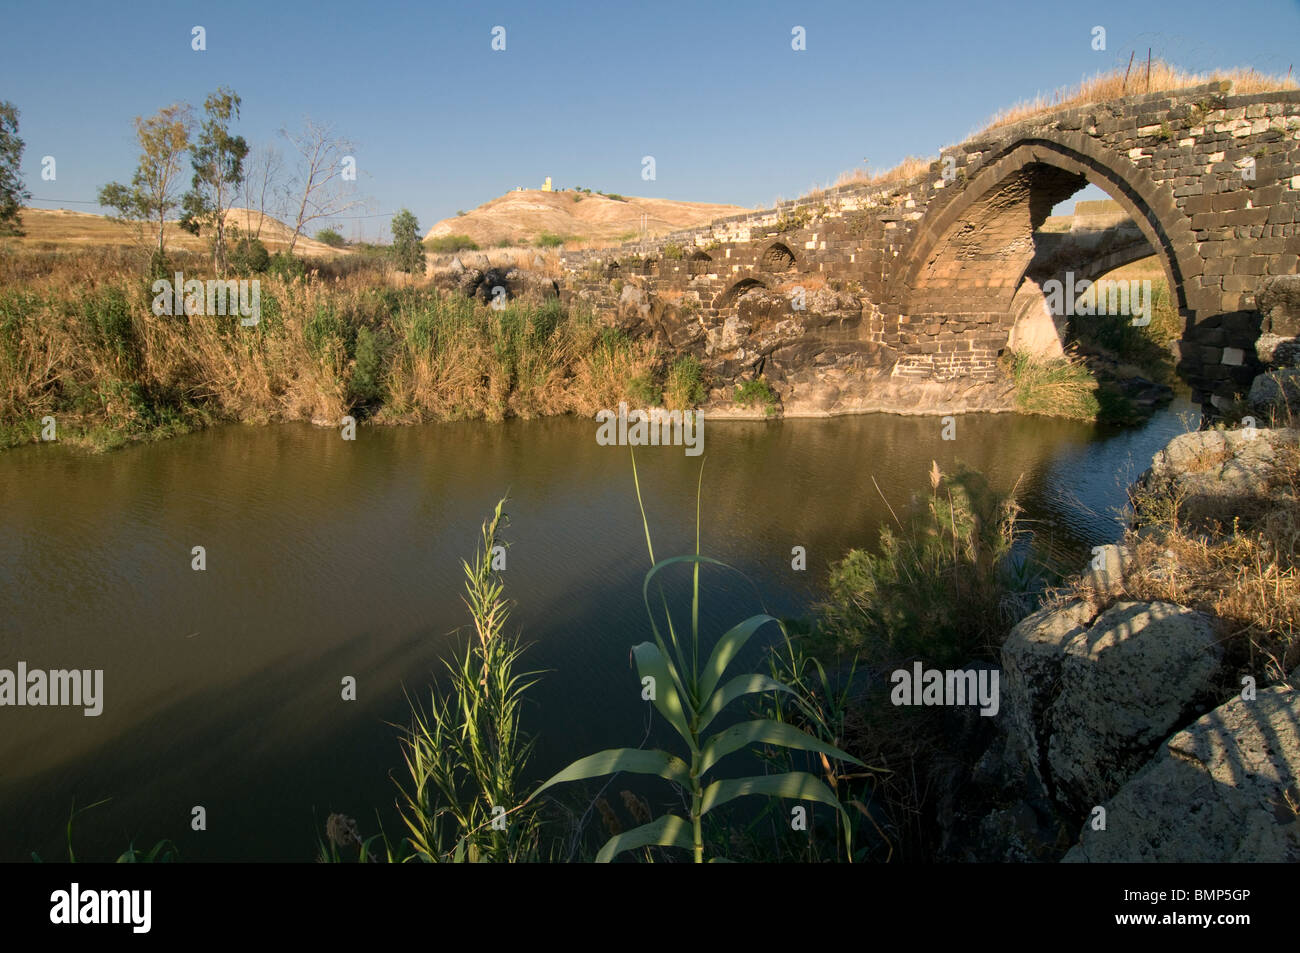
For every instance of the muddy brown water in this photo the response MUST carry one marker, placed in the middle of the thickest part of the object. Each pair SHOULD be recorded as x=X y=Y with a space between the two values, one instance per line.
x=327 y=558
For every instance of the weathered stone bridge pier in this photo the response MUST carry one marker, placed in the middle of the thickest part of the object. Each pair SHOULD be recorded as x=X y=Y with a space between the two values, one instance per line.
x=873 y=289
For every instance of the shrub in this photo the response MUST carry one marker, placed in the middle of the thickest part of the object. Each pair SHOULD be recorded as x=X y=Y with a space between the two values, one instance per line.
x=549 y=240
x=328 y=236
x=450 y=244
x=249 y=256
x=286 y=266
x=685 y=385
x=756 y=391
x=366 y=386
x=673 y=251
x=944 y=586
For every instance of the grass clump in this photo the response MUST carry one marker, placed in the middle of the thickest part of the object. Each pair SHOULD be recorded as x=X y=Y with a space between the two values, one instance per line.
x=945 y=586
x=1055 y=388
x=757 y=392
x=684 y=387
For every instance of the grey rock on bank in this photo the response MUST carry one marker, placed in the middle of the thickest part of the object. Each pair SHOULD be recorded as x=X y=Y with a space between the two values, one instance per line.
x=1218 y=474
x=1222 y=790
x=1138 y=673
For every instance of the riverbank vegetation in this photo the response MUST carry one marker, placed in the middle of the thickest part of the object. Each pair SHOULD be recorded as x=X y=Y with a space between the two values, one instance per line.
x=79 y=342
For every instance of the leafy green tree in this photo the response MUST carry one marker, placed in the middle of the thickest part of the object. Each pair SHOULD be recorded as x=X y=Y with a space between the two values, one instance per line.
x=408 y=251
x=328 y=236
x=12 y=193
x=218 y=160
x=152 y=195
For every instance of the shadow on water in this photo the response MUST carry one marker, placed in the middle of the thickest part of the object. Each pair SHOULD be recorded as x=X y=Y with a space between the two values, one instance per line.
x=328 y=558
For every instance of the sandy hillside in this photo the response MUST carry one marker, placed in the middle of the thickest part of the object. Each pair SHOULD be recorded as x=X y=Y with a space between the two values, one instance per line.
x=519 y=217
x=62 y=227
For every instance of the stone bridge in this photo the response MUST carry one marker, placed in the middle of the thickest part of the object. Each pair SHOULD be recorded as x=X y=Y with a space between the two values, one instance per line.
x=925 y=279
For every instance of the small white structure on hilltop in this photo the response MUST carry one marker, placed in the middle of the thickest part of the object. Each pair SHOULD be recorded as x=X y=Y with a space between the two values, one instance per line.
x=546 y=186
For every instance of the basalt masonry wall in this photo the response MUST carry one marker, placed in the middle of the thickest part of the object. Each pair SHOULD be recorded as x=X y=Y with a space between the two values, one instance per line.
x=1212 y=180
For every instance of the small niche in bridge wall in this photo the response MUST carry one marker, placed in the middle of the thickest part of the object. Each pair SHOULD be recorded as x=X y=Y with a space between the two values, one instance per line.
x=728 y=297
x=777 y=258
x=699 y=263
x=650 y=267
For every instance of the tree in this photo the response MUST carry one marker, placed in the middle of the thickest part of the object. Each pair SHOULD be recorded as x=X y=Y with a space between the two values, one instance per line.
x=164 y=138
x=218 y=160
x=408 y=250
x=323 y=160
x=329 y=236
x=261 y=185
x=12 y=193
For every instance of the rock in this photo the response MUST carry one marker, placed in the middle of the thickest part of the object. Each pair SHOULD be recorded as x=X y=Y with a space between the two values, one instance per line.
x=1217 y=473
x=1222 y=790
x=1278 y=301
x=1134 y=676
x=1031 y=664
x=456 y=264
x=1275 y=395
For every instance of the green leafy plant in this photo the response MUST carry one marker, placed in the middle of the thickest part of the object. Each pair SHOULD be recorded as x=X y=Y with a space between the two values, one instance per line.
x=690 y=696
x=757 y=391
x=465 y=756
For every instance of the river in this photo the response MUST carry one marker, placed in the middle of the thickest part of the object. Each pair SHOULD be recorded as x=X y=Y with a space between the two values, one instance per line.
x=328 y=558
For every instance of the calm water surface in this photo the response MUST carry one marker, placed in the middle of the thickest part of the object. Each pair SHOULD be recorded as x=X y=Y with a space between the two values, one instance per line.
x=328 y=558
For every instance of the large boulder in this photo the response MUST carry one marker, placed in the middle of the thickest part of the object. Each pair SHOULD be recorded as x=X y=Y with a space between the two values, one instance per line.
x=1032 y=656
x=1216 y=474
x=1275 y=395
x=1278 y=301
x=1136 y=674
x=1222 y=790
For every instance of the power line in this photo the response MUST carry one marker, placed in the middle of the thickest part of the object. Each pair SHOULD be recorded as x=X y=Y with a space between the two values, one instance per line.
x=330 y=218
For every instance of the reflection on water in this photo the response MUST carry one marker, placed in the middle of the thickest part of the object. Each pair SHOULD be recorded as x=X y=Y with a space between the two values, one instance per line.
x=328 y=558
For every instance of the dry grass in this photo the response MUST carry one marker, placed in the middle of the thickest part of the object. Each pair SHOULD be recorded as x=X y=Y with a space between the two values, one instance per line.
x=1104 y=87
x=813 y=281
x=1116 y=84
x=909 y=168
x=1245 y=574
x=79 y=341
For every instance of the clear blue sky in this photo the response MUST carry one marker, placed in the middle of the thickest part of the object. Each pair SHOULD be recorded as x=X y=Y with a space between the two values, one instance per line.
x=713 y=91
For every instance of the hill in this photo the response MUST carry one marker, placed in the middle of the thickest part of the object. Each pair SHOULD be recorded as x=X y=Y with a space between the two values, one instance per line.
x=518 y=218
x=63 y=227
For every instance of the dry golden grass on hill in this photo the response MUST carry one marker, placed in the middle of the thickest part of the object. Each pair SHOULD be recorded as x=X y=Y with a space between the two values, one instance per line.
x=1104 y=87
x=580 y=218
x=67 y=228
x=1116 y=84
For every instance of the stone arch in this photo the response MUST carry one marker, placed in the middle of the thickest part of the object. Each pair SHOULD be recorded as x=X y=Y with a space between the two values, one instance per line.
x=777 y=257
x=735 y=290
x=1033 y=325
x=1013 y=192
x=698 y=262
x=955 y=288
